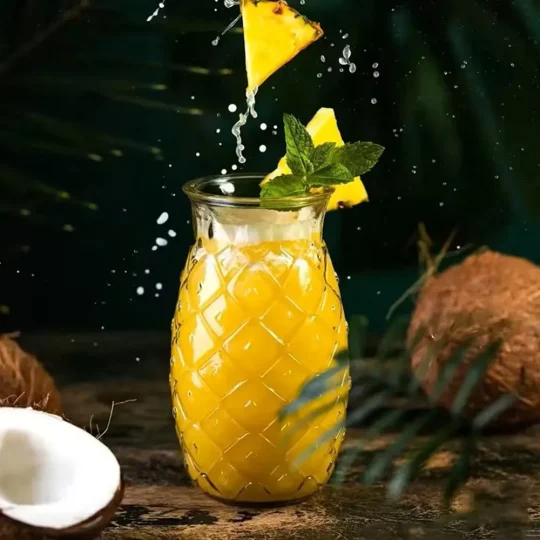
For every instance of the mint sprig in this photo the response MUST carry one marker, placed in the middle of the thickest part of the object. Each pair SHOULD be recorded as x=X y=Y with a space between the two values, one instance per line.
x=299 y=146
x=317 y=166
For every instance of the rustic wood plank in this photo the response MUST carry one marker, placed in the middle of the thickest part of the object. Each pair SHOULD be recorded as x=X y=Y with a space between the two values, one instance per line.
x=501 y=500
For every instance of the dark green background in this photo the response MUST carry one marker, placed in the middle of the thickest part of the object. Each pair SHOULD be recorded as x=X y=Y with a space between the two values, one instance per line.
x=457 y=109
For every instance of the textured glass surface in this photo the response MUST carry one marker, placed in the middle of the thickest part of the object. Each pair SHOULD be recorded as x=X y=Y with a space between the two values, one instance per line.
x=255 y=320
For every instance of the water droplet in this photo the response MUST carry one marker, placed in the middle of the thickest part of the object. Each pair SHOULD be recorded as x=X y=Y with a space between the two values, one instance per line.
x=162 y=218
x=319 y=75
x=262 y=148
x=233 y=107
x=376 y=74
x=159 y=286
x=223 y=171
x=343 y=62
x=264 y=126
x=352 y=68
x=323 y=59
x=374 y=101
x=171 y=233
x=375 y=65
x=140 y=291
x=161 y=241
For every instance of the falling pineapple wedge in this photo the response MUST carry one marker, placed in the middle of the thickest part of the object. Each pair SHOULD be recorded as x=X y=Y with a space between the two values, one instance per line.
x=274 y=34
x=323 y=128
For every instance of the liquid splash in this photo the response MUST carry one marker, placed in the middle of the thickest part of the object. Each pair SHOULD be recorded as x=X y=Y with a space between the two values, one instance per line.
x=215 y=42
x=346 y=59
x=161 y=6
x=228 y=4
x=242 y=121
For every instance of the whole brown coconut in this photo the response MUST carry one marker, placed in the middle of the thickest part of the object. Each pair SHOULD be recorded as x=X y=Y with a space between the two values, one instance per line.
x=24 y=382
x=486 y=298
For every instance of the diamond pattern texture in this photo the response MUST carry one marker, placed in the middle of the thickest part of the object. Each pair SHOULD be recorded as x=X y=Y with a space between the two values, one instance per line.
x=253 y=323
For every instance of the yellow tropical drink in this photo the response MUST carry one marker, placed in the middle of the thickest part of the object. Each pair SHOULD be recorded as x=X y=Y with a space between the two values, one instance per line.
x=259 y=314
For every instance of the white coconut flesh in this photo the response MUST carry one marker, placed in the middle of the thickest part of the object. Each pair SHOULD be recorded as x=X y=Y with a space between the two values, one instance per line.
x=52 y=474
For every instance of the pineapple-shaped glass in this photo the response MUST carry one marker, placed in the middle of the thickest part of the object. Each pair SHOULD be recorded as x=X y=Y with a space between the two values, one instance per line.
x=259 y=314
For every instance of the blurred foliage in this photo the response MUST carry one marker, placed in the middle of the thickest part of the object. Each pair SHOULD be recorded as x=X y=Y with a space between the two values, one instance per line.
x=385 y=394
x=387 y=398
x=97 y=102
x=30 y=81
x=457 y=99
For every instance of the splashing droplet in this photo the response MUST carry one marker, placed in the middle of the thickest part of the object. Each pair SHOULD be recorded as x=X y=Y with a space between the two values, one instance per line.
x=161 y=6
x=243 y=118
x=162 y=218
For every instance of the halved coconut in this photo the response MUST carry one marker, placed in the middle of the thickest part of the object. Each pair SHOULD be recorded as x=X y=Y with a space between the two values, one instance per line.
x=56 y=480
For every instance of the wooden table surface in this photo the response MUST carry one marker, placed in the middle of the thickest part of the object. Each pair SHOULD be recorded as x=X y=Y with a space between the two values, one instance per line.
x=502 y=499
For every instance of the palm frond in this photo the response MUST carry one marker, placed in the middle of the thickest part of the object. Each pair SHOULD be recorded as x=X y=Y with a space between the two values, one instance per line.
x=28 y=75
x=376 y=388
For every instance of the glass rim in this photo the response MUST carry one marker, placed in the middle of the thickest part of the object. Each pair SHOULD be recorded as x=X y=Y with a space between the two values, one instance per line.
x=195 y=191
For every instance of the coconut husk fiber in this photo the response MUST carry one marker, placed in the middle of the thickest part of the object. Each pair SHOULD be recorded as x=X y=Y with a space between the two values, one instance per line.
x=488 y=297
x=24 y=382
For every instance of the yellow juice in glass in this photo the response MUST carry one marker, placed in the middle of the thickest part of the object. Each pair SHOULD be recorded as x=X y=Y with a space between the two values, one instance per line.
x=259 y=314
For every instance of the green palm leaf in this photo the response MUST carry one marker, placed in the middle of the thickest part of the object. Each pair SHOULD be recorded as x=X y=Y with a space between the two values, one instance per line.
x=374 y=390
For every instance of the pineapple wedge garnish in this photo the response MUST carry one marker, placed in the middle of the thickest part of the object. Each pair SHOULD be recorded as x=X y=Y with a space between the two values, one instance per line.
x=323 y=127
x=274 y=34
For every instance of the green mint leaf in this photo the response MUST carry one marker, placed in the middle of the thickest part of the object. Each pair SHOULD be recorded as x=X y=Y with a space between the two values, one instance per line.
x=284 y=186
x=322 y=155
x=287 y=185
x=332 y=174
x=299 y=146
x=359 y=157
